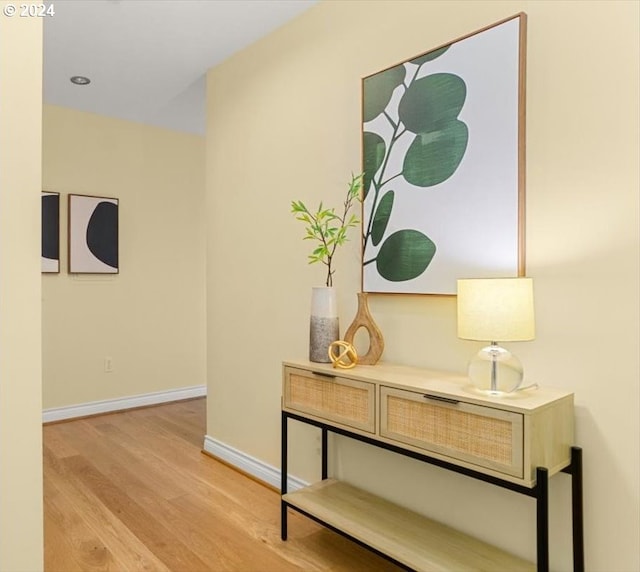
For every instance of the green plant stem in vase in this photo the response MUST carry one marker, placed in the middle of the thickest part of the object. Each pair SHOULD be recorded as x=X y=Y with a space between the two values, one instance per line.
x=328 y=228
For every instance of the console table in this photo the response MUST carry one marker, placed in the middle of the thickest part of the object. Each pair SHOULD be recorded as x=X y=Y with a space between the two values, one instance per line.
x=515 y=442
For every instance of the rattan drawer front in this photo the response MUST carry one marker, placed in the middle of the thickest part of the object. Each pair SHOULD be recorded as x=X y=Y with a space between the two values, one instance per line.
x=340 y=399
x=484 y=436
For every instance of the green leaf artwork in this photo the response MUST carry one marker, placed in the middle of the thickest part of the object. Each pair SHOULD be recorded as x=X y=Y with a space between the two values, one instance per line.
x=374 y=150
x=443 y=158
x=425 y=119
x=380 y=88
x=404 y=255
x=433 y=157
x=430 y=56
x=381 y=218
x=432 y=102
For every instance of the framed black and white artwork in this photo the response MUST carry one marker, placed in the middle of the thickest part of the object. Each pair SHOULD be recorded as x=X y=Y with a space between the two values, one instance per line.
x=93 y=235
x=50 y=259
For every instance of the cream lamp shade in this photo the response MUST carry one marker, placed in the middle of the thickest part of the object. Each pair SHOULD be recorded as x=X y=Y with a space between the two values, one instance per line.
x=496 y=309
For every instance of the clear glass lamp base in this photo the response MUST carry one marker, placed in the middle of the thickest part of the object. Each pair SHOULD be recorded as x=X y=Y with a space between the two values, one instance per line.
x=495 y=370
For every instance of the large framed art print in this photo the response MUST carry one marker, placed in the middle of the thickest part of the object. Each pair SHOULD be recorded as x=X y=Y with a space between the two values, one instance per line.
x=443 y=161
x=93 y=235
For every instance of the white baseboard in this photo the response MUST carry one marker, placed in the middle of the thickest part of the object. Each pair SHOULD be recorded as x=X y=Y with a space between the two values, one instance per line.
x=107 y=405
x=254 y=467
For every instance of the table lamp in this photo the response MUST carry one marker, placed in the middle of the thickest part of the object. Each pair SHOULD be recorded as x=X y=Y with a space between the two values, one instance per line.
x=496 y=310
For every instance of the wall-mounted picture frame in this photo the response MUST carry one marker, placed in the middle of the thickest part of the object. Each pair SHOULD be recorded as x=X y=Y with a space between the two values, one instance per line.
x=50 y=255
x=444 y=165
x=93 y=235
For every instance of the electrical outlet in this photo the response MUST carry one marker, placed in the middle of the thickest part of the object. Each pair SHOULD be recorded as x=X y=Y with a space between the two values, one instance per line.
x=108 y=365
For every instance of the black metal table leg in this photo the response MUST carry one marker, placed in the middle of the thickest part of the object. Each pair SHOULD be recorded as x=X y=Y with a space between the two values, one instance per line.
x=325 y=471
x=576 y=509
x=283 y=475
x=542 y=518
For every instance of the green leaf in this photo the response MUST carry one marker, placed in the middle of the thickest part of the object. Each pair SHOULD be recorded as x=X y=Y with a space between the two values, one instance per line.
x=377 y=90
x=374 y=150
x=405 y=255
x=381 y=217
x=433 y=157
x=355 y=187
x=298 y=207
x=430 y=56
x=432 y=102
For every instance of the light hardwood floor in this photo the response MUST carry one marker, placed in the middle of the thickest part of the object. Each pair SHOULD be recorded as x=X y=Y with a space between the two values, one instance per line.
x=133 y=491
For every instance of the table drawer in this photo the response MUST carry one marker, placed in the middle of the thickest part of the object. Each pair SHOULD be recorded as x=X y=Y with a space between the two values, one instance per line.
x=335 y=398
x=483 y=436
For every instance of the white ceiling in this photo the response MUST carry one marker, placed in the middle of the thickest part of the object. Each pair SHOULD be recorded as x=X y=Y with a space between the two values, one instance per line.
x=147 y=59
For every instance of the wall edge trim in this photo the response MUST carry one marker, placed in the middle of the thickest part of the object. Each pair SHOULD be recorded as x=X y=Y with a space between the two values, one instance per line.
x=251 y=465
x=122 y=403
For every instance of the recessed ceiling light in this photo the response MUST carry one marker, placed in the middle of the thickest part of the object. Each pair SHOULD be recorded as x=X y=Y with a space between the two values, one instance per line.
x=80 y=80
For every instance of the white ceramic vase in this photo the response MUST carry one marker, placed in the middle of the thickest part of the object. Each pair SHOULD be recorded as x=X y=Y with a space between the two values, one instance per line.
x=323 y=324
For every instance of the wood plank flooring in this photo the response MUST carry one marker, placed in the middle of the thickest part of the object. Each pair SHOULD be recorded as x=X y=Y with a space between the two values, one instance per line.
x=132 y=491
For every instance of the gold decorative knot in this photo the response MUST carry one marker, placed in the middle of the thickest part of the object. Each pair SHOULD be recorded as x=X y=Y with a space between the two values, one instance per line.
x=342 y=354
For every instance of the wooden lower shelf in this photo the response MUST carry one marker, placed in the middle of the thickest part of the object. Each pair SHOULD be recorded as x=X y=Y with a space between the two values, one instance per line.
x=414 y=540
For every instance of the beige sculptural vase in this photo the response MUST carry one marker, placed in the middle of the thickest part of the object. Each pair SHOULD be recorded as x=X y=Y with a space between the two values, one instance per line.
x=365 y=320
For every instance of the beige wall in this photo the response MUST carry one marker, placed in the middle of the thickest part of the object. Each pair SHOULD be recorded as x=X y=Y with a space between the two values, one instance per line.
x=284 y=123
x=150 y=318
x=20 y=333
